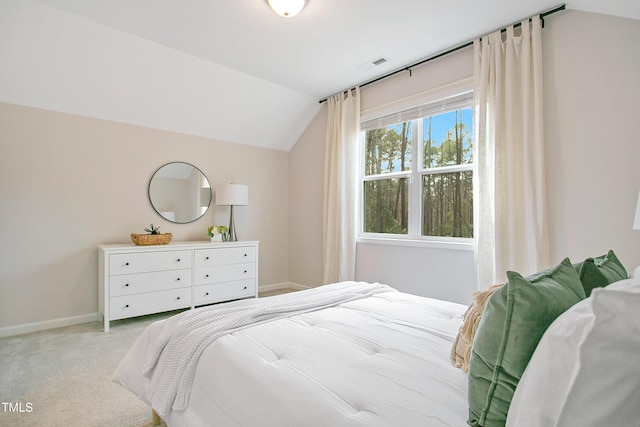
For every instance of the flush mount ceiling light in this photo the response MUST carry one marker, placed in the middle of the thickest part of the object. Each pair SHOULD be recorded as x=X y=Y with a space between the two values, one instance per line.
x=286 y=8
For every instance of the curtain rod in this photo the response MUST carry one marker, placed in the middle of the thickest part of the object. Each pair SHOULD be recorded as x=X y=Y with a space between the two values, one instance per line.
x=542 y=15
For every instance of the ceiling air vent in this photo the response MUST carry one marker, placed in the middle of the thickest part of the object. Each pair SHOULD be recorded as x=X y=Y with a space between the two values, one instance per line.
x=373 y=63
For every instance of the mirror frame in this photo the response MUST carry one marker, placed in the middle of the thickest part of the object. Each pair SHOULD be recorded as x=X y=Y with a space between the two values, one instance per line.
x=192 y=218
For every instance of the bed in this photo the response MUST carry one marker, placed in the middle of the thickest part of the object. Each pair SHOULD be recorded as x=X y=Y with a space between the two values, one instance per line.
x=377 y=359
x=558 y=348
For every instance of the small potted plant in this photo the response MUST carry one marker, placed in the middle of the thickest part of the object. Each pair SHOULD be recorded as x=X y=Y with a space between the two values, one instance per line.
x=152 y=230
x=152 y=237
x=218 y=233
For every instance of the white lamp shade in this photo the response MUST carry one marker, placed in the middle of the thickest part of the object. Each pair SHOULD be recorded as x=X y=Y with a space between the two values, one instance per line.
x=232 y=195
x=286 y=8
x=636 y=220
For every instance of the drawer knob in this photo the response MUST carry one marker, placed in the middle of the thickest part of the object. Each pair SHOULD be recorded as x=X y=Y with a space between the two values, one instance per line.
x=178 y=298
x=178 y=279
x=126 y=306
x=245 y=271
x=245 y=288
x=126 y=285
x=206 y=275
x=126 y=263
x=178 y=259
x=245 y=254
x=206 y=294
x=206 y=258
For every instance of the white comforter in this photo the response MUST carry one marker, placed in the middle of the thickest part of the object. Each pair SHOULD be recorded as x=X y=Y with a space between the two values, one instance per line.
x=379 y=361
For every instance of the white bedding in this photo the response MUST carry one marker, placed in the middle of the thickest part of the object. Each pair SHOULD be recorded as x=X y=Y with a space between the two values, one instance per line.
x=379 y=361
x=176 y=350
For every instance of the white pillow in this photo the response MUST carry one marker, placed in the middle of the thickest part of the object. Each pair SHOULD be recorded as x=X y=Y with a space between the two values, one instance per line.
x=585 y=370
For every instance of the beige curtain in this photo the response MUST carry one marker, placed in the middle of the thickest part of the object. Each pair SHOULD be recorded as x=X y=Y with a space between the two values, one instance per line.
x=509 y=186
x=341 y=175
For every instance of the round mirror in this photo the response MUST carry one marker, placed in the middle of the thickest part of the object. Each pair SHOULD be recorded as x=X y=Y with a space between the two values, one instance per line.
x=180 y=192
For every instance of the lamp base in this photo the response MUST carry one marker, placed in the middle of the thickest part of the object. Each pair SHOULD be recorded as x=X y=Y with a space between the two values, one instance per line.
x=233 y=237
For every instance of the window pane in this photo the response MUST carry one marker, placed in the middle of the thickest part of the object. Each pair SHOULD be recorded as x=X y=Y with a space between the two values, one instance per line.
x=386 y=206
x=388 y=149
x=447 y=204
x=447 y=139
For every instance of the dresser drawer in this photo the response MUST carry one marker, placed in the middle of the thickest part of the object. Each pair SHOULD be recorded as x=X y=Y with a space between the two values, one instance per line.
x=149 y=302
x=127 y=284
x=149 y=261
x=208 y=294
x=223 y=256
x=139 y=280
x=225 y=273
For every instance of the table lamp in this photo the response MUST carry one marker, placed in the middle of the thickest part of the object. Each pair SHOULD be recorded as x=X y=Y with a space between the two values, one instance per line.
x=232 y=195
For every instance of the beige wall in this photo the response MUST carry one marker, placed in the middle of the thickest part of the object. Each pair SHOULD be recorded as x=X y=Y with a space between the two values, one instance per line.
x=592 y=87
x=591 y=66
x=420 y=270
x=69 y=183
x=306 y=181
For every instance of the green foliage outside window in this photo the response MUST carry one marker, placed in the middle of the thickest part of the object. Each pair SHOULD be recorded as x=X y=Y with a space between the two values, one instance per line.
x=386 y=210
x=445 y=176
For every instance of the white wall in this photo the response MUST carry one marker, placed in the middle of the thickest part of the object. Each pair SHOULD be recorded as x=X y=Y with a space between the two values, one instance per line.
x=61 y=62
x=591 y=65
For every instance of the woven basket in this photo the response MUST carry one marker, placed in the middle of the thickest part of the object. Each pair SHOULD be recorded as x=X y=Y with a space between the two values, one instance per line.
x=151 y=239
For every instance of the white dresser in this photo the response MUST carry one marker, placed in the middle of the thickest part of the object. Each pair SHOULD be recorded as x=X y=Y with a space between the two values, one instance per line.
x=138 y=280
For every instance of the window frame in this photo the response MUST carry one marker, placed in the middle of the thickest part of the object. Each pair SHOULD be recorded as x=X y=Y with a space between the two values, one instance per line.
x=415 y=175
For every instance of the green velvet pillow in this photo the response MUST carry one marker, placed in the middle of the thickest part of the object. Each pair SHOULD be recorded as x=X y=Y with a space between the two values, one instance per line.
x=590 y=276
x=611 y=267
x=601 y=271
x=514 y=320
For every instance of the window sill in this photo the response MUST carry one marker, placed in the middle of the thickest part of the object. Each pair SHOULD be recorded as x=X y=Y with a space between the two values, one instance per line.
x=461 y=245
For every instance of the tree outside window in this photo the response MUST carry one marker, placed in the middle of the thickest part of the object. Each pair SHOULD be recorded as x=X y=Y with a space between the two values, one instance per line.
x=434 y=153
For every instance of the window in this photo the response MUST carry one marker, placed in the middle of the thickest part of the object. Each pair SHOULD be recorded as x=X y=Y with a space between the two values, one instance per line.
x=418 y=171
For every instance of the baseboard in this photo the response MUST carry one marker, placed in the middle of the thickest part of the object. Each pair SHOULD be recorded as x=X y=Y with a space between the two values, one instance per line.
x=283 y=285
x=26 y=328
x=94 y=317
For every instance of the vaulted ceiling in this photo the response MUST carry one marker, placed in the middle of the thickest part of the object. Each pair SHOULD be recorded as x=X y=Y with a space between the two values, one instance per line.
x=232 y=69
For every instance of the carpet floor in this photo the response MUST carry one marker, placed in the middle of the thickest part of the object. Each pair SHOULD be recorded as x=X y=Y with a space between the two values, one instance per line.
x=62 y=377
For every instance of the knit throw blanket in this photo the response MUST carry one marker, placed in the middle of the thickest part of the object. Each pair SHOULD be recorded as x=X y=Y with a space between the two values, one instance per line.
x=171 y=360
